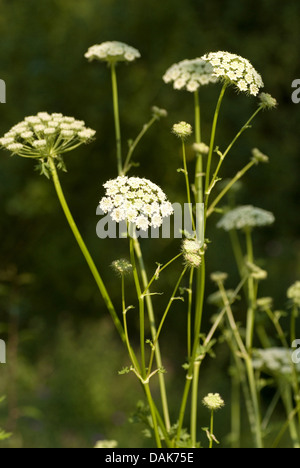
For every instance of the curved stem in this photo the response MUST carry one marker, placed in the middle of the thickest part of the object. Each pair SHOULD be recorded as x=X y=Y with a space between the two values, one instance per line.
x=85 y=251
x=237 y=177
x=136 y=142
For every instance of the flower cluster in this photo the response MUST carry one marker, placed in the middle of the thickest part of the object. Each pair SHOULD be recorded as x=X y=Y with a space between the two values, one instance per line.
x=246 y=216
x=267 y=101
x=46 y=135
x=112 y=51
x=274 y=360
x=190 y=75
x=235 y=69
x=137 y=201
x=294 y=293
x=122 y=267
x=213 y=401
x=192 y=253
x=182 y=130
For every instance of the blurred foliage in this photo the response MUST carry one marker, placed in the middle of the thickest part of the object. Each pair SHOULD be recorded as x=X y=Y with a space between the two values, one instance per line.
x=62 y=374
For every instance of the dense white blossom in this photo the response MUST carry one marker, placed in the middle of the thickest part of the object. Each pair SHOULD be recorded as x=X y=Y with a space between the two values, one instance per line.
x=213 y=401
x=45 y=135
x=246 y=216
x=274 y=360
x=182 y=130
x=294 y=293
x=137 y=201
x=112 y=51
x=190 y=75
x=236 y=69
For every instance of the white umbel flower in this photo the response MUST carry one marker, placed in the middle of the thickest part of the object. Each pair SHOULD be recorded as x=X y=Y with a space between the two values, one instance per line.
x=138 y=201
x=189 y=75
x=236 y=69
x=112 y=51
x=46 y=135
x=276 y=361
x=247 y=216
x=293 y=293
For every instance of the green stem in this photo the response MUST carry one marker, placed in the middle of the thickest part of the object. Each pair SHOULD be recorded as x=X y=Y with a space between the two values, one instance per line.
x=116 y=117
x=287 y=400
x=153 y=414
x=151 y=316
x=127 y=340
x=164 y=318
x=251 y=293
x=199 y=163
x=135 y=143
x=187 y=183
x=211 y=430
x=213 y=136
x=84 y=250
x=141 y=306
x=245 y=127
x=189 y=314
x=194 y=405
x=237 y=177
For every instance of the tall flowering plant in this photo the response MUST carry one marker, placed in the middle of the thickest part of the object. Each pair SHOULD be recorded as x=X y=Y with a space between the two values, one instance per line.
x=142 y=205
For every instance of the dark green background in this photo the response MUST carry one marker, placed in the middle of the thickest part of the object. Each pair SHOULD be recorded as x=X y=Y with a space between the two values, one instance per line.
x=62 y=383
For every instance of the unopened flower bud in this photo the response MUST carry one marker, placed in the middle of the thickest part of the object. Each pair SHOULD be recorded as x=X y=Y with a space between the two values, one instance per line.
x=259 y=157
x=122 y=267
x=213 y=401
x=182 y=130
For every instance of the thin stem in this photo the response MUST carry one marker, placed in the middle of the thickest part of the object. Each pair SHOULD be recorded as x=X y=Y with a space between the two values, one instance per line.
x=133 y=145
x=189 y=314
x=211 y=430
x=141 y=306
x=151 y=316
x=194 y=405
x=159 y=271
x=164 y=318
x=237 y=177
x=127 y=340
x=85 y=251
x=245 y=127
x=199 y=163
x=116 y=117
x=153 y=414
x=187 y=183
x=251 y=293
x=213 y=136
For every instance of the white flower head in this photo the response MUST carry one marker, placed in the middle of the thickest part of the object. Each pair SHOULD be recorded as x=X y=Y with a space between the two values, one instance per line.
x=276 y=361
x=236 y=69
x=244 y=217
x=112 y=51
x=46 y=135
x=293 y=293
x=189 y=75
x=213 y=401
x=138 y=201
